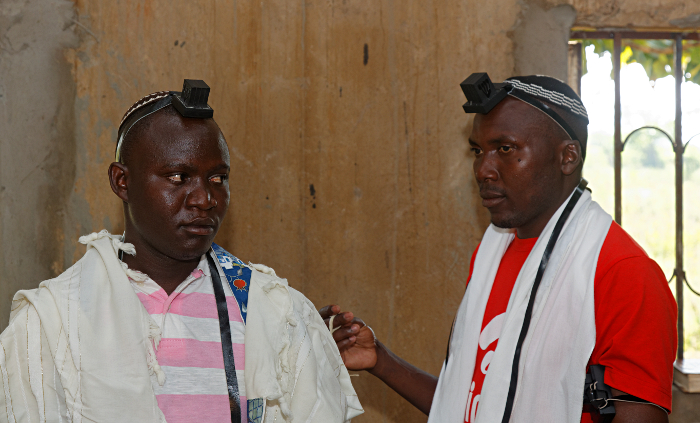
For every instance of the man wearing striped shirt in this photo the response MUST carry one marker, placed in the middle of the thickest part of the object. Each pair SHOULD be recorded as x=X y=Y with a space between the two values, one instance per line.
x=160 y=324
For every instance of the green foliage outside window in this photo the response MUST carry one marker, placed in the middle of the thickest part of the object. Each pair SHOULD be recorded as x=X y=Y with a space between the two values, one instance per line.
x=648 y=171
x=656 y=56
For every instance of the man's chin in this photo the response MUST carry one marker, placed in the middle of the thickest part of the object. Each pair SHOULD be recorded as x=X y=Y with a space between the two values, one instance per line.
x=501 y=225
x=504 y=222
x=191 y=248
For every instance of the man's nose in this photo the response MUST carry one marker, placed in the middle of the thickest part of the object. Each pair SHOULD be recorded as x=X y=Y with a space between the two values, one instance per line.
x=485 y=169
x=201 y=195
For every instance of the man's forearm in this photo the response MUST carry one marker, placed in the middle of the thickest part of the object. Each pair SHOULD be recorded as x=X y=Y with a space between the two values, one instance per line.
x=412 y=383
x=630 y=412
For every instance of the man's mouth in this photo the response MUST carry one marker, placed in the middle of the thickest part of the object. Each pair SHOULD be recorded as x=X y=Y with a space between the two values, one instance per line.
x=199 y=229
x=200 y=226
x=491 y=198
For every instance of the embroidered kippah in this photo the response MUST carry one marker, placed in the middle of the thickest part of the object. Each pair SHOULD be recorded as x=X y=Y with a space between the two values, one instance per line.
x=150 y=98
x=551 y=90
x=142 y=108
x=541 y=92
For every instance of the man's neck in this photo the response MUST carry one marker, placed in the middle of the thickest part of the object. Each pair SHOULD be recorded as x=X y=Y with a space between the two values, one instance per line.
x=167 y=272
x=534 y=228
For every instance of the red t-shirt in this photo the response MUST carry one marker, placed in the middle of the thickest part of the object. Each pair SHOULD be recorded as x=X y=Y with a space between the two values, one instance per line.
x=635 y=320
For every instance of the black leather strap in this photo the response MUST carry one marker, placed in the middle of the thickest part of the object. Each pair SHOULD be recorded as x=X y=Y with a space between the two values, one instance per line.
x=548 y=111
x=533 y=293
x=135 y=117
x=226 y=343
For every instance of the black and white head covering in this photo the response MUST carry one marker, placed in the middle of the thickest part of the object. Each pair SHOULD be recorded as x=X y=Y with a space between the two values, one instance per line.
x=190 y=103
x=540 y=91
x=139 y=110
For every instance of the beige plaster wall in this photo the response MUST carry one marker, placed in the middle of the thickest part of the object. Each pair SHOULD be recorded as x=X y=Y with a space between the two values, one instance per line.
x=351 y=173
x=37 y=142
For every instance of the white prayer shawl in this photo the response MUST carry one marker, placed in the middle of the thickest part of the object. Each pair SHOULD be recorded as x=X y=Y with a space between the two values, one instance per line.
x=561 y=336
x=80 y=349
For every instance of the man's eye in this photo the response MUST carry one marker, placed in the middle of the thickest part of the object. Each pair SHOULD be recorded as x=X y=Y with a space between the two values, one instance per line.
x=176 y=177
x=218 y=179
x=476 y=151
x=506 y=149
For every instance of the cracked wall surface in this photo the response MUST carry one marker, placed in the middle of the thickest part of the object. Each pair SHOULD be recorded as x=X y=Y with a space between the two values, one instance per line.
x=540 y=40
x=636 y=13
x=351 y=174
x=542 y=30
x=37 y=143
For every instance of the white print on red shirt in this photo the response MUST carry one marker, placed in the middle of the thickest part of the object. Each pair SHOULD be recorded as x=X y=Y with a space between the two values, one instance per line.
x=488 y=338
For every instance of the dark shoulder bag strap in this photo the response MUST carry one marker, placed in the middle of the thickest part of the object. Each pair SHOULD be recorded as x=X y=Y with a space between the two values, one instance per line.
x=226 y=343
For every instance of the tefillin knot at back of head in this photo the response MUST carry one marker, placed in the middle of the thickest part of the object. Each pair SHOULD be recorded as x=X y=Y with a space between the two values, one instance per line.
x=190 y=103
x=541 y=92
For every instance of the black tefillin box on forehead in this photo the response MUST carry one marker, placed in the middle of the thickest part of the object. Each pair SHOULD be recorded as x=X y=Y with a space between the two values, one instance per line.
x=482 y=94
x=192 y=102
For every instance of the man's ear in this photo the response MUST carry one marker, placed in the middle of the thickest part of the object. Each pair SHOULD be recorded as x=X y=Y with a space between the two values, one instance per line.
x=118 y=176
x=571 y=157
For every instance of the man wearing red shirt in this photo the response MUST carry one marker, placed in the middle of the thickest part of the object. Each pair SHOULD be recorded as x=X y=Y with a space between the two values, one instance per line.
x=520 y=349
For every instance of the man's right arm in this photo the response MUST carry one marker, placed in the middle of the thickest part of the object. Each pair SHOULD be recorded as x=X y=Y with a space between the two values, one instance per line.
x=360 y=350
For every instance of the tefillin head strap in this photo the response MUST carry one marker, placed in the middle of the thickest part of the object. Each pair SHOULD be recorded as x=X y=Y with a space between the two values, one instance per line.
x=532 y=101
x=483 y=95
x=191 y=103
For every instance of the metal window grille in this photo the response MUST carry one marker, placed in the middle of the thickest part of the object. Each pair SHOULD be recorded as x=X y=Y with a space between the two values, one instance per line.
x=619 y=144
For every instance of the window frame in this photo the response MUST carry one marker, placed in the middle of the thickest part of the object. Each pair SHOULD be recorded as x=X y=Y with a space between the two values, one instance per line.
x=678 y=37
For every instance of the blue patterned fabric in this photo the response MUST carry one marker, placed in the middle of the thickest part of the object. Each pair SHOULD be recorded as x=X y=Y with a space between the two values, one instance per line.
x=255 y=410
x=238 y=277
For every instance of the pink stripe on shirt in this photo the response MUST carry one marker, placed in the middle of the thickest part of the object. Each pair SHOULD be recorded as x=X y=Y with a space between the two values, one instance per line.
x=194 y=361
x=177 y=352
x=195 y=304
x=151 y=302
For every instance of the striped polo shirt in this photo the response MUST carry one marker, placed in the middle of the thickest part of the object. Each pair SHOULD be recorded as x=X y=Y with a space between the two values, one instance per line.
x=190 y=348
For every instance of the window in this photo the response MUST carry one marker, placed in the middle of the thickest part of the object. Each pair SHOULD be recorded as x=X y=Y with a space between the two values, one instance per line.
x=642 y=94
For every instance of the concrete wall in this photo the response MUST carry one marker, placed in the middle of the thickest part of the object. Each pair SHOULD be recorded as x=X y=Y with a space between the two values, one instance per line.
x=351 y=173
x=37 y=142
x=635 y=13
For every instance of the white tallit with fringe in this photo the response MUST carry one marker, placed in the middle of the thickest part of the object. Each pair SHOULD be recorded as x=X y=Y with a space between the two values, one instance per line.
x=562 y=330
x=81 y=348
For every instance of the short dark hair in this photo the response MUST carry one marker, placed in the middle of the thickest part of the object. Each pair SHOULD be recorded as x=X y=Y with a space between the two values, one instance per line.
x=139 y=129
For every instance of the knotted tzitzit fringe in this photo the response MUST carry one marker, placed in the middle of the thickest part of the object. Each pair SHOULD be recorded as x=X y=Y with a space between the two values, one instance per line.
x=93 y=236
x=118 y=244
x=124 y=246
x=154 y=368
x=263 y=269
x=135 y=275
x=154 y=333
x=116 y=241
x=330 y=324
